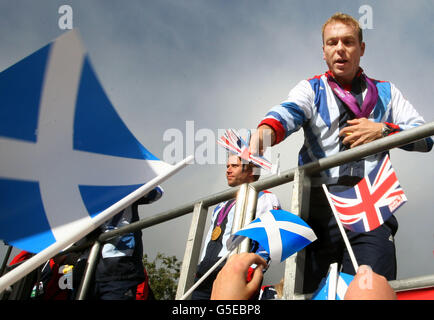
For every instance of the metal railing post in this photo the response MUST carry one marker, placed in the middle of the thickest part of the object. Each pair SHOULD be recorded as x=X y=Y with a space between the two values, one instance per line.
x=92 y=260
x=240 y=210
x=421 y=282
x=5 y=260
x=192 y=249
x=294 y=265
x=249 y=215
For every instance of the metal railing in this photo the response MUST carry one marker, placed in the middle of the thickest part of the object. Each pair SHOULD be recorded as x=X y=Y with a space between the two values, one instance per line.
x=248 y=193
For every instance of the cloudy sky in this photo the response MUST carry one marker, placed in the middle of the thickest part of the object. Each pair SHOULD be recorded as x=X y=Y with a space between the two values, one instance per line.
x=223 y=64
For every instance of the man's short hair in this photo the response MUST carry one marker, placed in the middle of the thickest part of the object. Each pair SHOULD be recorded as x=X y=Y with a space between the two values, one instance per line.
x=248 y=165
x=256 y=171
x=345 y=19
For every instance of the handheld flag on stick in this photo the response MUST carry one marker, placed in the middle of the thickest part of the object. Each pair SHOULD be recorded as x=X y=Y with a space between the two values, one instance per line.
x=232 y=141
x=372 y=201
x=68 y=162
x=368 y=204
x=334 y=286
x=279 y=232
x=198 y=282
x=343 y=233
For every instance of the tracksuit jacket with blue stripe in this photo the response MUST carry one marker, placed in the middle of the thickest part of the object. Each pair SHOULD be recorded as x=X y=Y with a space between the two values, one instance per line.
x=313 y=106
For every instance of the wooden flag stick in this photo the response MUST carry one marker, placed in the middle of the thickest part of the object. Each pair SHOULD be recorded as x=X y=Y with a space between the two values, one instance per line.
x=198 y=282
x=81 y=229
x=231 y=249
x=341 y=228
x=333 y=281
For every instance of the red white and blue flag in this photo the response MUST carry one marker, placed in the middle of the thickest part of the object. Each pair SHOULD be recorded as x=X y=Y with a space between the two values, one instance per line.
x=372 y=201
x=232 y=141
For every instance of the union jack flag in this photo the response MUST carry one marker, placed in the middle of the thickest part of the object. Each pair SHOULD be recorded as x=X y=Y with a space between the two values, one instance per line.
x=372 y=201
x=232 y=141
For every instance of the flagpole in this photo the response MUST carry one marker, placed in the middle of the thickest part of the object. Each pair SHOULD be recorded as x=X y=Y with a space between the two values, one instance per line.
x=31 y=264
x=333 y=281
x=343 y=233
x=231 y=249
x=198 y=282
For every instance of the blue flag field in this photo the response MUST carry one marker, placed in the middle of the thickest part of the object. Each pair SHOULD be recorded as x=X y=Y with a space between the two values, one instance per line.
x=68 y=161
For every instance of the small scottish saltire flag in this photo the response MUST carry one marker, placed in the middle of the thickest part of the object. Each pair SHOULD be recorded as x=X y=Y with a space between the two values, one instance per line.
x=279 y=232
x=233 y=142
x=65 y=154
x=334 y=286
x=372 y=201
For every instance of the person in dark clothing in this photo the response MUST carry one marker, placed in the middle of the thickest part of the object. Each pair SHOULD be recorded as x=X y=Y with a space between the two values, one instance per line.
x=120 y=271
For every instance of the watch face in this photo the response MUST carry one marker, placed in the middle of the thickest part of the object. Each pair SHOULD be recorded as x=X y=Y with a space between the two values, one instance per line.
x=386 y=131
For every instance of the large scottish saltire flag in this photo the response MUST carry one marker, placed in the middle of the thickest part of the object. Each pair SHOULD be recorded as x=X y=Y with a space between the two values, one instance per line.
x=67 y=160
x=279 y=232
x=334 y=286
x=372 y=201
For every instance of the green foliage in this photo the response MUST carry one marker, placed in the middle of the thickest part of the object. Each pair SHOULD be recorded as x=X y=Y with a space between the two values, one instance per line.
x=163 y=275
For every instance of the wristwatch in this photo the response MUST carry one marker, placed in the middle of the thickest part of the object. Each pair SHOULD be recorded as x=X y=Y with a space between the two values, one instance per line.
x=386 y=130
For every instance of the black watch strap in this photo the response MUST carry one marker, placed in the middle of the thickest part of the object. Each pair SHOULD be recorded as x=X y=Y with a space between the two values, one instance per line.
x=387 y=130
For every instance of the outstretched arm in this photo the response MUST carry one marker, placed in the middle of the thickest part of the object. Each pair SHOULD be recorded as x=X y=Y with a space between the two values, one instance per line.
x=263 y=137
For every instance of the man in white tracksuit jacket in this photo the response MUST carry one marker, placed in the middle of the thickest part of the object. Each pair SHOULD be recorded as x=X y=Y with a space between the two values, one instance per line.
x=337 y=110
x=222 y=220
